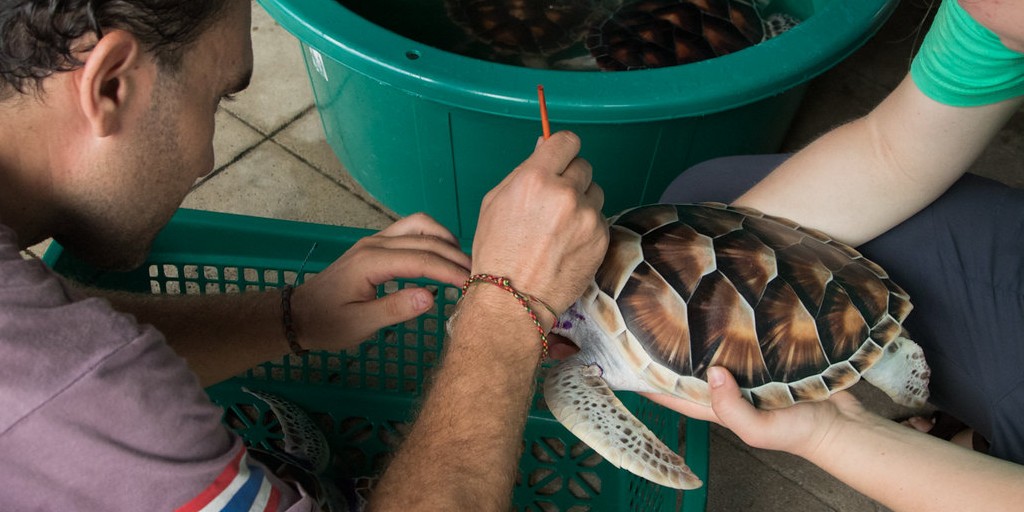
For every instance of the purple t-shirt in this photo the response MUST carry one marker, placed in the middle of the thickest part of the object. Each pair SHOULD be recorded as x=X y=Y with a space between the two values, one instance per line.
x=97 y=413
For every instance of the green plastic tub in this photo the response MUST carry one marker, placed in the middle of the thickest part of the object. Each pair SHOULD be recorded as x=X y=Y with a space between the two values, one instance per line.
x=364 y=400
x=423 y=129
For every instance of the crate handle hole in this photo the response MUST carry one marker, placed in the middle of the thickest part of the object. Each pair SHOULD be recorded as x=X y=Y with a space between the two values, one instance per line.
x=412 y=54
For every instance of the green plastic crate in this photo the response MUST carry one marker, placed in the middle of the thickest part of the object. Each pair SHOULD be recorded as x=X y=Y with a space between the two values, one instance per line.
x=423 y=129
x=365 y=400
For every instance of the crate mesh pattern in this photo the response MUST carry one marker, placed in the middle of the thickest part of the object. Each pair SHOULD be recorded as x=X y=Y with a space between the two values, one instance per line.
x=365 y=400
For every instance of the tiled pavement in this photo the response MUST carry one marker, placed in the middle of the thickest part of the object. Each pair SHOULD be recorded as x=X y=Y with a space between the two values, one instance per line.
x=272 y=161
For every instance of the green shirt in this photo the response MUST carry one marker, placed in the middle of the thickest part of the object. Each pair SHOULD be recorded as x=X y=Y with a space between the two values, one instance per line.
x=963 y=64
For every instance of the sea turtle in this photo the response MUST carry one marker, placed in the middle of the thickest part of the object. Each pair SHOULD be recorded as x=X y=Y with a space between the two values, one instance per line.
x=795 y=315
x=530 y=30
x=658 y=33
x=618 y=34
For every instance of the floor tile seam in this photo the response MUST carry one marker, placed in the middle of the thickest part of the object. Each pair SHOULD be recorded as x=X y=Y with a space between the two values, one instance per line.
x=241 y=154
x=280 y=128
x=274 y=133
x=244 y=121
x=739 y=444
x=264 y=137
x=334 y=180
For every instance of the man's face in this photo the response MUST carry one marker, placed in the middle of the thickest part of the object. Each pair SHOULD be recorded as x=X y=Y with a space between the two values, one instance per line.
x=133 y=191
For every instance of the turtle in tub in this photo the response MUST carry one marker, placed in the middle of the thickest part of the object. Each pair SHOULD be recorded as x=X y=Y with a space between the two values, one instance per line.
x=614 y=35
x=646 y=34
x=793 y=314
x=527 y=31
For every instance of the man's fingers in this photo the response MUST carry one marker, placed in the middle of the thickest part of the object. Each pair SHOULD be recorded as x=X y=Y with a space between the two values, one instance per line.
x=413 y=264
x=424 y=243
x=365 y=318
x=580 y=174
x=594 y=196
x=418 y=224
x=554 y=154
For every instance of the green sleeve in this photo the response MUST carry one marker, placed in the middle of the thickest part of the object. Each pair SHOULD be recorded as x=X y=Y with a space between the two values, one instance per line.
x=963 y=64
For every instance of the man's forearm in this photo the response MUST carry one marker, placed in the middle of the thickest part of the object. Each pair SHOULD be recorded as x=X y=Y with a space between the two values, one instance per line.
x=219 y=336
x=463 y=450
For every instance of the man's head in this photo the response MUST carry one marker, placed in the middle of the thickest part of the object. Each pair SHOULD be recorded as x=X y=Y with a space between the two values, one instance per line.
x=38 y=38
x=107 y=114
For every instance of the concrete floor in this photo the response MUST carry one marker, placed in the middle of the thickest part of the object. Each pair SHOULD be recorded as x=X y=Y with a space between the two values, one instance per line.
x=272 y=161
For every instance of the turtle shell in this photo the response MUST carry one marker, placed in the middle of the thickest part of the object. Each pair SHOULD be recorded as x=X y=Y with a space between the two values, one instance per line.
x=657 y=33
x=792 y=313
x=538 y=27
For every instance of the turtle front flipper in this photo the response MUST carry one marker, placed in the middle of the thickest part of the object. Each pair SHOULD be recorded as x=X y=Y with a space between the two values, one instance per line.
x=304 y=444
x=582 y=401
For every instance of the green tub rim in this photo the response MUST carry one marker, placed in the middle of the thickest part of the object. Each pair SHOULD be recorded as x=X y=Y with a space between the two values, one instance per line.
x=835 y=30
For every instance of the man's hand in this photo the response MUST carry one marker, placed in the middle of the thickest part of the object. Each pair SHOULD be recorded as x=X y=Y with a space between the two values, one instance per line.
x=338 y=308
x=542 y=226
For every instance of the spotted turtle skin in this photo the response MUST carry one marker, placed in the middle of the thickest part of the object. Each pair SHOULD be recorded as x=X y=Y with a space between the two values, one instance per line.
x=657 y=33
x=523 y=27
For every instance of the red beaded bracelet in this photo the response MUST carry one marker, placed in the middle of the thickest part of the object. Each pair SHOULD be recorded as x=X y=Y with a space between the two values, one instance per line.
x=524 y=300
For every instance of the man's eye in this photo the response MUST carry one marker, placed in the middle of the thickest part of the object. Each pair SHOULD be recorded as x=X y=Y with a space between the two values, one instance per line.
x=228 y=97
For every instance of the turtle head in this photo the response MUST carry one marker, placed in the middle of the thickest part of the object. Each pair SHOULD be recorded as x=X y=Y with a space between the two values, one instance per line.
x=581 y=325
x=571 y=325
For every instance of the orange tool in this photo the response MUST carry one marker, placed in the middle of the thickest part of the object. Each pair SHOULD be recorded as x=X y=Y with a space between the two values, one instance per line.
x=545 y=124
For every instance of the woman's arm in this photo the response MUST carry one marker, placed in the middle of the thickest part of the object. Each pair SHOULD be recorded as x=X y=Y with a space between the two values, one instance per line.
x=863 y=178
x=895 y=465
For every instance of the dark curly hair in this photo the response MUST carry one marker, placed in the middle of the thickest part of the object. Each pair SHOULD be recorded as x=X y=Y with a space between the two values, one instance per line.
x=38 y=37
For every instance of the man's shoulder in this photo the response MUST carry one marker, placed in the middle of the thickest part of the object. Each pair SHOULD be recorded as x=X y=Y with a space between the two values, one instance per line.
x=87 y=388
x=48 y=339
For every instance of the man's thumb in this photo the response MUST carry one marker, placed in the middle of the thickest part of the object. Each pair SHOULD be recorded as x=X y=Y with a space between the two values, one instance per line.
x=397 y=307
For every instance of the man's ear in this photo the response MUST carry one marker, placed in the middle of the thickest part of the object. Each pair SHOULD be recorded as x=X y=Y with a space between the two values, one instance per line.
x=117 y=74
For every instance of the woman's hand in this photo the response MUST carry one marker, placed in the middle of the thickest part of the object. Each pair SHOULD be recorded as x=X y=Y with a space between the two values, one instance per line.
x=900 y=467
x=338 y=308
x=799 y=429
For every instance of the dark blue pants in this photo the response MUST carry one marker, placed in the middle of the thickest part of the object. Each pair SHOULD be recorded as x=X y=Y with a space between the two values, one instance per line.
x=961 y=259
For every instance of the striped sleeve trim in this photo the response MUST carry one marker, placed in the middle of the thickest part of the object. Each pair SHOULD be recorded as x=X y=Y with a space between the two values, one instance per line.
x=241 y=487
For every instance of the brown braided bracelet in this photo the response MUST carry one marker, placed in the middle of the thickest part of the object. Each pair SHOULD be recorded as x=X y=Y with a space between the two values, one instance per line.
x=286 y=308
x=523 y=299
x=289 y=326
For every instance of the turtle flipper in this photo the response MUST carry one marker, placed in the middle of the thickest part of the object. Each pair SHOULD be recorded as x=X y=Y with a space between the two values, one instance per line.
x=902 y=373
x=583 y=402
x=304 y=443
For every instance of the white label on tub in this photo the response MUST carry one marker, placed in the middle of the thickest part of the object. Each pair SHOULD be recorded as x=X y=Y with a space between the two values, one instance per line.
x=318 y=63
